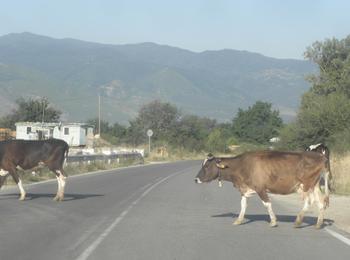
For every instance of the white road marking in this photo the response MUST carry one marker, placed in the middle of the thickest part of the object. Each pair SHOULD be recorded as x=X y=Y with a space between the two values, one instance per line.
x=90 y=249
x=90 y=232
x=87 y=233
x=343 y=239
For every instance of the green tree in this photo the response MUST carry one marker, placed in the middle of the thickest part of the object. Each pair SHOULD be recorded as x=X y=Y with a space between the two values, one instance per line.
x=31 y=110
x=135 y=134
x=217 y=141
x=159 y=116
x=324 y=112
x=319 y=118
x=105 y=127
x=333 y=59
x=115 y=134
x=220 y=138
x=191 y=132
x=118 y=131
x=257 y=124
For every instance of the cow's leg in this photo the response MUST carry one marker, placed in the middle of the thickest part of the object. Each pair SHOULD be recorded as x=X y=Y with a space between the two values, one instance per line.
x=267 y=203
x=2 y=180
x=18 y=181
x=308 y=199
x=240 y=218
x=326 y=187
x=61 y=182
x=321 y=206
x=58 y=188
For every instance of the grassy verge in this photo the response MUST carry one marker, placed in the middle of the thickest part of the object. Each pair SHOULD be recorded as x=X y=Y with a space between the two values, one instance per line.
x=175 y=154
x=72 y=169
x=340 y=167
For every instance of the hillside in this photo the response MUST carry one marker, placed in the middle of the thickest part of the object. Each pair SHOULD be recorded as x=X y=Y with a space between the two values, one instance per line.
x=71 y=73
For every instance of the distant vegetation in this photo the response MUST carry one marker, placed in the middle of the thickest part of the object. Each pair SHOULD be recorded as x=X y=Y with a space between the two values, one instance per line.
x=72 y=73
x=193 y=133
x=172 y=129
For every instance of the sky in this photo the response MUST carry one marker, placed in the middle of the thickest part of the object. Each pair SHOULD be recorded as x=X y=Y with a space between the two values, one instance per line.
x=275 y=28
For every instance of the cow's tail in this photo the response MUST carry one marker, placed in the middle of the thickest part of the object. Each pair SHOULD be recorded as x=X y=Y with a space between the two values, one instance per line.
x=66 y=150
x=327 y=175
x=330 y=176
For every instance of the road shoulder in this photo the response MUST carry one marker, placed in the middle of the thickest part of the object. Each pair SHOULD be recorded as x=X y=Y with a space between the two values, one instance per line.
x=337 y=211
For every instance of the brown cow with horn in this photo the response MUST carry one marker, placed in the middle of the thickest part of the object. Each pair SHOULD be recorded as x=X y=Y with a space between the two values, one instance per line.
x=275 y=172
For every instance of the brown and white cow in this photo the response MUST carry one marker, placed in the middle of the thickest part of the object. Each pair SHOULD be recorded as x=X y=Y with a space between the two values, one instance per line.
x=25 y=154
x=264 y=172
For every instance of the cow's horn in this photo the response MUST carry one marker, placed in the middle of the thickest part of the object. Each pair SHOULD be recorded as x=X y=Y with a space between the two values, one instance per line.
x=221 y=166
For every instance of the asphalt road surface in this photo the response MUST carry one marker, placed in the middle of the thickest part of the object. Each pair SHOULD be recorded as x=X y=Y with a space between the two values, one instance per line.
x=153 y=212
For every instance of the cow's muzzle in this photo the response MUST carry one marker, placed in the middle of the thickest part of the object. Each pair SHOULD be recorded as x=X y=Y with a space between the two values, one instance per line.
x=197 y=180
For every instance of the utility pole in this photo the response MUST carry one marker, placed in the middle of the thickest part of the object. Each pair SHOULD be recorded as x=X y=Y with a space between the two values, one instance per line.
x=41 y=132
x=99 y=114
x=43 y=115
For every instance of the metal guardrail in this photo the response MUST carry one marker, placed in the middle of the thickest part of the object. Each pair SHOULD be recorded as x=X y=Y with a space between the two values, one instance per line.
x=102 y=157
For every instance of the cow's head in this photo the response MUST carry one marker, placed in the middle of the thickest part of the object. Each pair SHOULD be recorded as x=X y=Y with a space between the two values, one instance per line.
x=210 y=169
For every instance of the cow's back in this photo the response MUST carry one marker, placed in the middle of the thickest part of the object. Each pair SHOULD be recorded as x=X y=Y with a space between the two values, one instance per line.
x=29 y=153
x=278 y=172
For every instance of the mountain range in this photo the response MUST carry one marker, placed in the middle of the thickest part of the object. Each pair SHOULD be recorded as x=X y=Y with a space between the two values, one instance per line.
x=72 y=73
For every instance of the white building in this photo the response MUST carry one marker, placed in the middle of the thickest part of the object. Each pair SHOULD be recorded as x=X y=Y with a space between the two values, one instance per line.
x=75 y=134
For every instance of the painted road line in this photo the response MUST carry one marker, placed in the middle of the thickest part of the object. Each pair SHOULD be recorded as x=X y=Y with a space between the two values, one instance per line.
x=90 y=249
x=338 y=236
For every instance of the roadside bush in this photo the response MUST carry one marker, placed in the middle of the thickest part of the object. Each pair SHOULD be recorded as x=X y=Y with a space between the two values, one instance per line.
x=247 y=147
x=340 y=165
x=340 y=142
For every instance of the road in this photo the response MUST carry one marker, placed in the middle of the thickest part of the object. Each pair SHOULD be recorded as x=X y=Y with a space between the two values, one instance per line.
x=152 y=212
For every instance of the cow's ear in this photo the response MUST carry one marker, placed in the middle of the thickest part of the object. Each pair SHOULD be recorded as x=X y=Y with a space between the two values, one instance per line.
x=220 y=165
x=210 y=156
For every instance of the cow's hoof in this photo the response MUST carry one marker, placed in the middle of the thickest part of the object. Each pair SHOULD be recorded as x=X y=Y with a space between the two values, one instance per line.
x=297 y=224
x=56 y=198
x=22 y=198
x=318 y=226
x=237 y=222
x=273 y=223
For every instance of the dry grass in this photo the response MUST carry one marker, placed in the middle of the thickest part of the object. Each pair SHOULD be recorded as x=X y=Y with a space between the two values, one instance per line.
x=173 y=154
x=340 y=167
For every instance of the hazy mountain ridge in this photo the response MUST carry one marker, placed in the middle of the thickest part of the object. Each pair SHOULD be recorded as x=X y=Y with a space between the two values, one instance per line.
x=212 y=83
